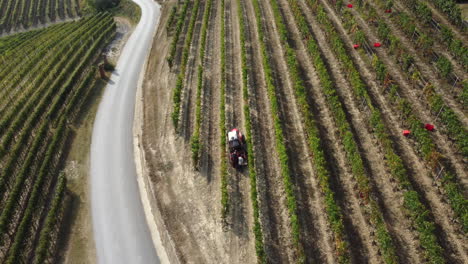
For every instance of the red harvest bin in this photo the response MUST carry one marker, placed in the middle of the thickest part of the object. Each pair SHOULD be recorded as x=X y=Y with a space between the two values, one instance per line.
x=429 y=127
x=356 y=46
x=388 y=11
x=406 y=133
x=377 y=44
x=350 y=6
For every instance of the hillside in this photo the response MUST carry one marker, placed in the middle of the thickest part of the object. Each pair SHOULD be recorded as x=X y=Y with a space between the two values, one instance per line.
x=324 y=91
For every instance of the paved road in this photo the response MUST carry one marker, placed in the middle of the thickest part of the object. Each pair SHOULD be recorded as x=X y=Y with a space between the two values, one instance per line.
x=120 y=230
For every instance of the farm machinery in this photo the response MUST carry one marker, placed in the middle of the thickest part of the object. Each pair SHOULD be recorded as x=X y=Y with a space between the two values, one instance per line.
x=237 y=149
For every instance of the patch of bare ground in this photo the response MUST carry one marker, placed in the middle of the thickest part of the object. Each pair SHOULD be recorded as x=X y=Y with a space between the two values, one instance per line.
x=188 y=99
x=437 y=47
x=454 y=241
x=240 y=217
x=273 y=213
x=440 y=139
x=189 y=201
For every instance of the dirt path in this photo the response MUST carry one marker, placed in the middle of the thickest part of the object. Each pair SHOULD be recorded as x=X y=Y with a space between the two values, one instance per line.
x=209 y=129
x=273 y=214
x=419 y=175
x=441 y=140
x=240 y=218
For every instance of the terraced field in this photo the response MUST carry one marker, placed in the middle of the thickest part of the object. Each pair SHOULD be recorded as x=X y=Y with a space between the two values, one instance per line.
x=46 y=80
x=323 y=89
x=23 y=14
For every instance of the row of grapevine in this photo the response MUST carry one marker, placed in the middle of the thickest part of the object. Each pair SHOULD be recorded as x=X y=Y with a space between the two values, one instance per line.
x=409 y=26
x=454 y=44
x=23 y=14
x=195 y=139
x=41 y=252
x=178 y=30
x=455 y=128
x=426 y=145
x=421 y=220
x=376 y=218
x=279 y=133
x=35 y=136
x=24 y=116
x=171 y=18
x=257 y=228
x=34 y=69
x=177 y=95
x=451 y=10
x=222 y=118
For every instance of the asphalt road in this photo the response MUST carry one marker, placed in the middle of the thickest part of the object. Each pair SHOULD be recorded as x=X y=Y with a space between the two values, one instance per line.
x=120 y=230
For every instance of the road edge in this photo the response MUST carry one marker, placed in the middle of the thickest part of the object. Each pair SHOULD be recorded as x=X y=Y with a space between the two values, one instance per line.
x=162 y=241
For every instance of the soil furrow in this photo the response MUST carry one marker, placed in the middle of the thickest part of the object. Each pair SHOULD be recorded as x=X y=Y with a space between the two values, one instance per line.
x=391 y=210
x=209 y=129
x=188 y=100
x=390 y=203
x=458 y=70
x=180 y=42
x=273 y=214
x=299 y=157
x=441 y=140
x=421 y=177
x=365 y=143
x=425 y=71
x=240 y=233
x=436 y=14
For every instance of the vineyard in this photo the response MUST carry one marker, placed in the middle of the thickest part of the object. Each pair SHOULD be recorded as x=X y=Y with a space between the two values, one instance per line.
x=355 y=114
x=22 y=14
x=46 y=79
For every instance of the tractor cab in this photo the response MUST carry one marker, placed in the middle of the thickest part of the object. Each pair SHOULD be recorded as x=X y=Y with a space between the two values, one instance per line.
x=237 y=149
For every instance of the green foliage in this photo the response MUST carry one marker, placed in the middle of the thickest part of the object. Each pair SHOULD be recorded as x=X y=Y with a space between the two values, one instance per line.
x=177 y=96
x=421 y=217
x=444 y=66
x=425 y=144
x=41 y=251
x=259 y=246
x=451 y=10
x=222 y=119
x=279 y=133
x=171 y=18
x=195 y=140
x=103 y=5
x=61 y=81
x=180 y=24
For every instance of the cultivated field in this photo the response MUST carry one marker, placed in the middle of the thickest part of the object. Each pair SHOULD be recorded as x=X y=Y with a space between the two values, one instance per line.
x=46 y=79
x=23 y=14
x=323 y=90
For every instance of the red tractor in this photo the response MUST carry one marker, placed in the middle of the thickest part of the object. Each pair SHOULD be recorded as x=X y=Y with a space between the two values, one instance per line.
x=237 y=149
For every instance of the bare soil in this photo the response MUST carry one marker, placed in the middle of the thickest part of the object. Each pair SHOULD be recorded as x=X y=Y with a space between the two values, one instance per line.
x=189 y=200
